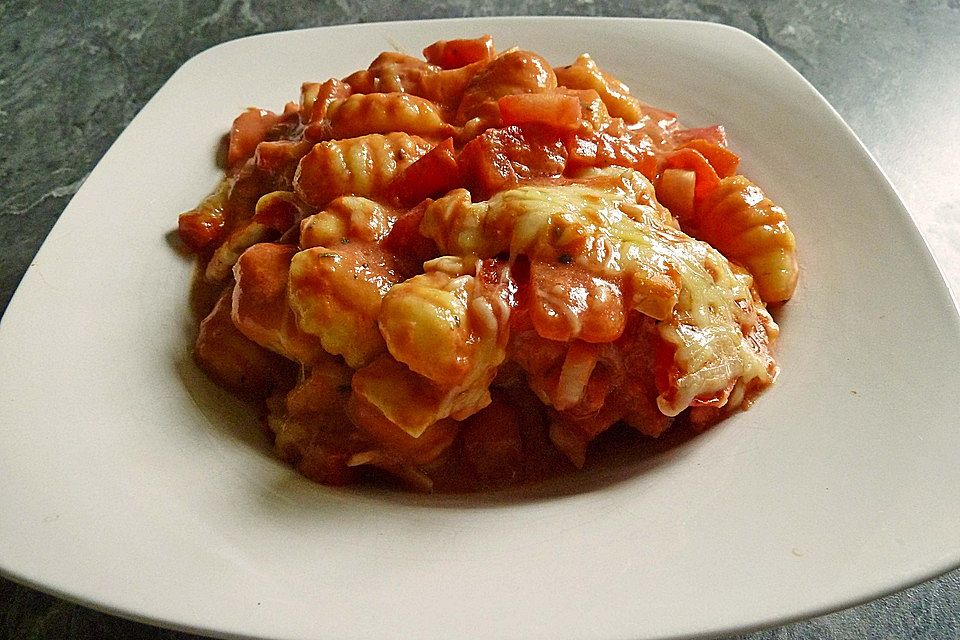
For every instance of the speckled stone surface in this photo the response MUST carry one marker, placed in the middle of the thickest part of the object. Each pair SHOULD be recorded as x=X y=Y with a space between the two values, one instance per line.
x=74 y=73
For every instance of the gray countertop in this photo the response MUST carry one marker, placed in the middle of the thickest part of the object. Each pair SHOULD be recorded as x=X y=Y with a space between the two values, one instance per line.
x=74 y=73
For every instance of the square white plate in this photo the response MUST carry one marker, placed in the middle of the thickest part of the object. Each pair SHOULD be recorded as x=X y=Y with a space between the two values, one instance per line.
x=132 y=484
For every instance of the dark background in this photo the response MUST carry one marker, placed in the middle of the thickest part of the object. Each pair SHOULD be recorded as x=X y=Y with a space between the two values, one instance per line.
x=73 y=75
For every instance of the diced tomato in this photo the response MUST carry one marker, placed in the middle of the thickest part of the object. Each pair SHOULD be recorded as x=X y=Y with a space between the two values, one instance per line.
x=199 y=229
x=568 y=303
x=249 y=129
x=602 y=149
x=510 y=73
x=715 y=134
x=407 y=244
x=582 y=150
x=692 y=160
x=393 y=439
x=276 y=211
x=486 y=169
x=665 y=369
x=235 y=360
x=280 y=156
x=434 y=174
x=632 y=150
x=666 y=120
x=723 y=161
x=326 y=93
x=499 y=158
x=452 y=54
x=554 y=109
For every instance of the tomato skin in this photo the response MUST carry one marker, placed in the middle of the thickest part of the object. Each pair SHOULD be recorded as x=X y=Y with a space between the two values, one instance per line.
x=723 y=161
x=434 y=174
x=554 y=109
x=453 y=54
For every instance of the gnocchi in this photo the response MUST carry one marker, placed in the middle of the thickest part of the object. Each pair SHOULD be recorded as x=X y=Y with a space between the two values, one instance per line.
x=458 y=271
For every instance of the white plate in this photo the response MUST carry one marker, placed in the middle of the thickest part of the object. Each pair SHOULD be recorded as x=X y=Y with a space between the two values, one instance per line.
x=126 y=484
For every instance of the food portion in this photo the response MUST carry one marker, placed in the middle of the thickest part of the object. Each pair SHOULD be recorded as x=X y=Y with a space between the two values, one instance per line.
x=459 y=271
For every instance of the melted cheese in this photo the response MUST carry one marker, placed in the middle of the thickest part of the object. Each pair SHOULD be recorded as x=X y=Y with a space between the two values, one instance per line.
x=721 y=332
x=612 y=227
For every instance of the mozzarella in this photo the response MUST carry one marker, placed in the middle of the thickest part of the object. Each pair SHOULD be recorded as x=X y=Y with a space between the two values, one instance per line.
x=611 y=226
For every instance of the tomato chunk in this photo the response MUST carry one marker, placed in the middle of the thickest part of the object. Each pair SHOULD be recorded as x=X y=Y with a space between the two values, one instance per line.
x=555 y=109
x=201 y=227
x=723 y=161
x=692 y=160
x=568 y=303
x=602 y=149
x=249 y=129
x=198 y=229
x=434 y=174
x=499 y=159
x=452 y=54
x=715 y=134
x=408 y=245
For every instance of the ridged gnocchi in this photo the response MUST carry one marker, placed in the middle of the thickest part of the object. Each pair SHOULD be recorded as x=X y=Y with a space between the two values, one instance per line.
x=362 y=166
x=461 y=270
x=365 y=113
x=336 y=295
x=747 y=227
